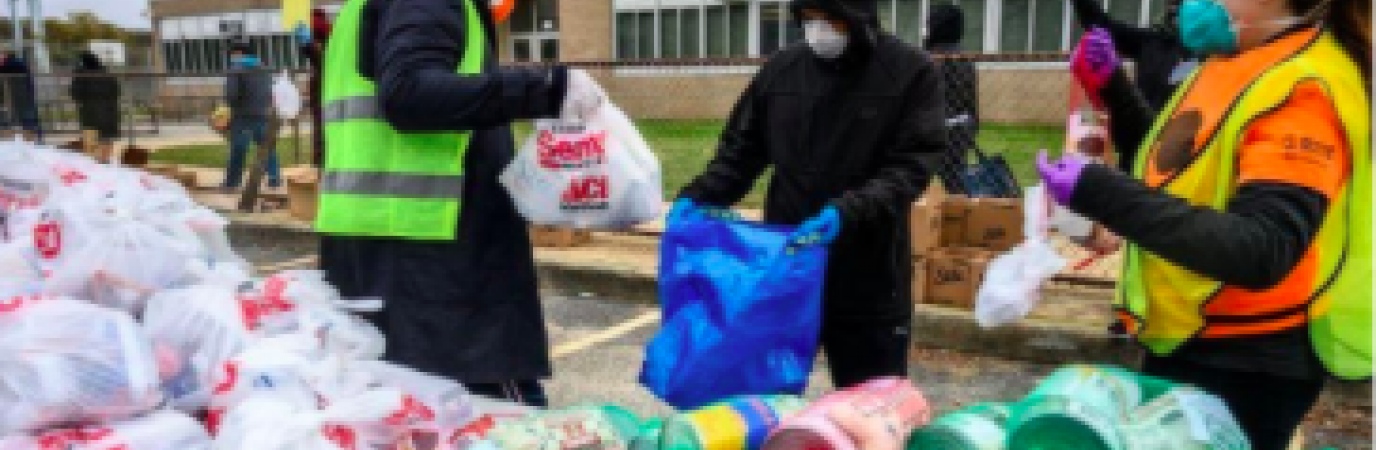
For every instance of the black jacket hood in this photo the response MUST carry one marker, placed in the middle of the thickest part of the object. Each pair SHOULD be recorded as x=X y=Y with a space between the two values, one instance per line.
x=945 y=26
x=862 y=16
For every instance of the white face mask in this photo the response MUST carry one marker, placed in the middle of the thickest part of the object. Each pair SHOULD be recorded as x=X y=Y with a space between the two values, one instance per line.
x=825 y=40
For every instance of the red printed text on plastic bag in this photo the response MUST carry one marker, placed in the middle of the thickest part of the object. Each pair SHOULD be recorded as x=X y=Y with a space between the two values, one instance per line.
x=47 y=239
x=17 y=302
x=584 y=193
x=269 y=302
x=79 y=438
x=345 y=437
x=71 y=176
x=412 y=412
x=571 y=150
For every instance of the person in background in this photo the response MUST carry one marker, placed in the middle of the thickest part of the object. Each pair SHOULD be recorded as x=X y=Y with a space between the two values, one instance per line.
x=1163 y=61
x=851 y=122
x=97 y=95
x=945 y=31
x=248 y=92
x=1249 y=271
x=417 y=131
x=20 y=96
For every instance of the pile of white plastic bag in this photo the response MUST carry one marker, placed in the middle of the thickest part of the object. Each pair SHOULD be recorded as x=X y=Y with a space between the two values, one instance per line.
x=128 y=322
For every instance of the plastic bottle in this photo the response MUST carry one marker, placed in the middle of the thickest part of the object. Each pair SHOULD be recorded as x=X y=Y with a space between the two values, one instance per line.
x=1185 y=418
x=594 y=427
x=649 y=435
x=892 y=403
x=738 y=424
x=980 y=427
x=1082 y=407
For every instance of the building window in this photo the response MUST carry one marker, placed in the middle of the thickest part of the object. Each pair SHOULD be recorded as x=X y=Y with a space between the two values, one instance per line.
x=1049 y=20
x=750 y=28
x=1016 y=26
x=200 y=44
x=1157 y=13
x=910 y=21
x=711 y=29
x=974 y=25
x=1127 y=11
x=774 y=22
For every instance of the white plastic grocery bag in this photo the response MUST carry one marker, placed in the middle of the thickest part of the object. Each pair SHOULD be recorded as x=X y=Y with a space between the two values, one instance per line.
x=1012 y=285
x=65 y=361
x=286 y=97
x=269 y=423
x=595 y=174
x=162 y=430
x=194 y=331
x=448 y=405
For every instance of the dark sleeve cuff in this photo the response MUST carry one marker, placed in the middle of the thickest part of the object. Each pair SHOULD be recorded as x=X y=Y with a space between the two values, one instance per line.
x=558 y=88
x=1100 y=189
x=534 y=93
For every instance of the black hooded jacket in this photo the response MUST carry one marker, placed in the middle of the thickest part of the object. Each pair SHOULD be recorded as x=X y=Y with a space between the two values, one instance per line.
x=858 y=132
x=945 y=30
x=97 y=97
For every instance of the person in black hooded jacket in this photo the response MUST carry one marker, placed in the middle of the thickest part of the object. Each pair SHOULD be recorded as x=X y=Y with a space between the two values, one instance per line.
x=945 y=30
x=850 y=123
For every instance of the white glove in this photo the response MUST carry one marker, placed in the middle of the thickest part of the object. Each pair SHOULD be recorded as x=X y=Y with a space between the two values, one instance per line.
x=583 y=98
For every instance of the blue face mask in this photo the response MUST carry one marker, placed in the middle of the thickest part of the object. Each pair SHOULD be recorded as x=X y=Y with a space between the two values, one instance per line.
x=1206 y=28
x=244 y=62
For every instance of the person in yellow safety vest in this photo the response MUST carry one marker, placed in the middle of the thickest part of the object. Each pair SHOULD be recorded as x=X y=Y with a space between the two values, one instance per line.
x=1248 y=272
x=416 y=118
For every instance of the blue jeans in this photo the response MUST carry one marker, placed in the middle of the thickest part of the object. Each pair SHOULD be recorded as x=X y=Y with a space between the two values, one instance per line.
x=244 y=133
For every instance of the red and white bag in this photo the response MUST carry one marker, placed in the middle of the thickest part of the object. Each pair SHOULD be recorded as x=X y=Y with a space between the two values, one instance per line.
x=65 y=361
x=162 y=430
x=595 y=174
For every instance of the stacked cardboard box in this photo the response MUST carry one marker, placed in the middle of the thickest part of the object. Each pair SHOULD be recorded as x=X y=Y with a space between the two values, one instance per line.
x=953 y=240
x=556 y=237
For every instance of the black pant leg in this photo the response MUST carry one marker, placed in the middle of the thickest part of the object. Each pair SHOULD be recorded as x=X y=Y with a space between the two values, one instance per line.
x=859 y=350
x=526 y=392
x=1269 y=408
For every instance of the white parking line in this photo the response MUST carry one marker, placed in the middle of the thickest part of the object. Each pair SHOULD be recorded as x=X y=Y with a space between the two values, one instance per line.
x=616 y=331
x=292 y=264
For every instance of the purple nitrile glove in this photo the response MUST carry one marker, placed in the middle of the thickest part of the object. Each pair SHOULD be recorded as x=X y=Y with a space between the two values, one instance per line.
x=1061 y=176
x=1094 y=60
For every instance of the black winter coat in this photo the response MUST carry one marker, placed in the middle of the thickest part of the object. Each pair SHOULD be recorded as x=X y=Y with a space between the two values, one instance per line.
x=467 y=309
x=97 y=100
x=859 y=133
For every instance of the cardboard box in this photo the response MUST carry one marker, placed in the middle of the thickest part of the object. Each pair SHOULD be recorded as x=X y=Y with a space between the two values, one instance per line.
x=919 y=280
x=955 y=214
x=924 y=227
x=555 y=237
x=186 y=177
x=303 y=192
x=162 y=169
x=954 y=276
x=995 y=224
x=924 y=220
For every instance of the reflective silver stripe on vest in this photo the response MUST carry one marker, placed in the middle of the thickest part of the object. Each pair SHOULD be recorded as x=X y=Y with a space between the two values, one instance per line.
x=397 y=185
x=352 y=108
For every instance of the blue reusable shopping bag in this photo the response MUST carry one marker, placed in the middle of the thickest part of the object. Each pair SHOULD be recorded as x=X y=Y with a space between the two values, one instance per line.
x=742 y=306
